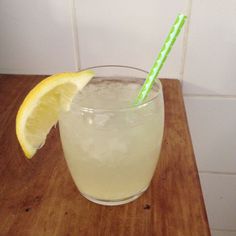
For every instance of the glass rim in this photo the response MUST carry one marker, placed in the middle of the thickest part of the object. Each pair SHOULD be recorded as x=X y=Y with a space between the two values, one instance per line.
x=126 y=108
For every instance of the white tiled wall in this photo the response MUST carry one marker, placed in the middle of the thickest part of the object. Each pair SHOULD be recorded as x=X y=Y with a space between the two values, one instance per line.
x=222 y=233
x=220 y=195
x=48 y=36
x=39 y=37
x=36 y=37
x=128 y=32
x=210 y=65
x=212 y=121
x=209 y=86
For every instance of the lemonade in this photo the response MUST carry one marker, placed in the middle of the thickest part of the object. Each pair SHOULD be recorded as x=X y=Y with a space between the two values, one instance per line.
x=112 y=147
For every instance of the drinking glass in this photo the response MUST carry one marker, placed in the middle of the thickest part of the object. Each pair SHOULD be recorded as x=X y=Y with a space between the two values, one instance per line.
x=111 y=146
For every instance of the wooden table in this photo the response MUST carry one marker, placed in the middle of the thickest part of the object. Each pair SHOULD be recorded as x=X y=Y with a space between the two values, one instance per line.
x=38 y=196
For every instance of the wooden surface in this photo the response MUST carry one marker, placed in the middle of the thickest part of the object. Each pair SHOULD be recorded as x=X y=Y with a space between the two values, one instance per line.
x=38 y=197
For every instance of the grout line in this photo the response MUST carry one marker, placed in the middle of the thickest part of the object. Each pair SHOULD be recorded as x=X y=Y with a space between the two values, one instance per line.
x=224 y=230
x=185 y=42
x=75 y=35
x=209 y=95
x=216 y=172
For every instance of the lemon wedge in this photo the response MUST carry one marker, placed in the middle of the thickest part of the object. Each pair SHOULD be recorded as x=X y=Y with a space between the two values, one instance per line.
x=40 y=110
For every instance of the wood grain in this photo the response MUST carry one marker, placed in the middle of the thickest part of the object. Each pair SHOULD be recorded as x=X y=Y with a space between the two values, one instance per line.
x=38 y=196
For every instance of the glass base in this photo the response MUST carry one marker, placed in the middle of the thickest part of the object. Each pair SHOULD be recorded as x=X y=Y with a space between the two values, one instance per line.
x=114 y=202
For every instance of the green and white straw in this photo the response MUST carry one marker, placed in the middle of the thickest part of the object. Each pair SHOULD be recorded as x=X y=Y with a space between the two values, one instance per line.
x=154 y=72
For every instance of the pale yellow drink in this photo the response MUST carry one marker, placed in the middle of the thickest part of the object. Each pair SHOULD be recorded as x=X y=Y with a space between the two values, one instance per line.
x=112 y=147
